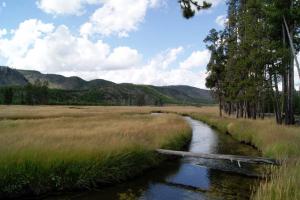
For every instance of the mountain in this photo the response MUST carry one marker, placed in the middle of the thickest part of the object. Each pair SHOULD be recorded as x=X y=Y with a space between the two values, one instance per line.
x=74 y=90
x=186 y=94
x=60 y=82
x=10 y=76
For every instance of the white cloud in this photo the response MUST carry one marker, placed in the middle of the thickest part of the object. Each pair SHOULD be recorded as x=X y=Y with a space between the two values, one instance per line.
x=3 y=4
x=198 y=59
x=123 y=57
x=3 y=32
x=65 y=7
x=23 y=38
x=157 y=3
x=154 y=76
x=118 y=17
x=164 y=59
x=35 y=45
x=221 y=20
x=152 y=73
x=39 y=46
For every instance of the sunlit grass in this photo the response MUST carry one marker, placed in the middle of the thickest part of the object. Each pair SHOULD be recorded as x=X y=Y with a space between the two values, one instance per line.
x=60 y=148
x=78 y=141
x=276 y=141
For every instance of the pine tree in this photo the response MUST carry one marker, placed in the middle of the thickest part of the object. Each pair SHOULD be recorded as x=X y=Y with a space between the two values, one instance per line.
x=253 y=55
x=216 y=65
x=189 y=7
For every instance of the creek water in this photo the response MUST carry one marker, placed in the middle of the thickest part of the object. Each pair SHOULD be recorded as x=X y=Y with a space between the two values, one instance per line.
x=190 y=178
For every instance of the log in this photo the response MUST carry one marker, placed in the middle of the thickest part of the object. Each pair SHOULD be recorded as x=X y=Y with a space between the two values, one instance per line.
x=238 y=159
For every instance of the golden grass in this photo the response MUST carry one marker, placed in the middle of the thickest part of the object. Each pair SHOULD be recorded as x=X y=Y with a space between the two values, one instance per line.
x=105 y=132
x=109 y=129
x=39 y=146
x=276 y=141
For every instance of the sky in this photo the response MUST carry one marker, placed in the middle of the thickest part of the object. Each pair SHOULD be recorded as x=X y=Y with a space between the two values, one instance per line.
x=132 y=41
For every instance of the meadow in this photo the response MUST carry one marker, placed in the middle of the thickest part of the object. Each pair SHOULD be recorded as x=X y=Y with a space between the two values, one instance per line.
x=55 y=148
x=52 y=149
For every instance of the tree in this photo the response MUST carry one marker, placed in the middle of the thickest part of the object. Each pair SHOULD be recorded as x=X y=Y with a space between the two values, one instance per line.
x=8 y=95
x=253 y=55
x=284 y=15
x=141 y=101
x=189 y=7
x=37 y=93
x=216 y=65
x=159 y=102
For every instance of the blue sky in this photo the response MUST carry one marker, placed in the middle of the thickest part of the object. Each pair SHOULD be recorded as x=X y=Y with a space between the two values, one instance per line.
x=137 y=41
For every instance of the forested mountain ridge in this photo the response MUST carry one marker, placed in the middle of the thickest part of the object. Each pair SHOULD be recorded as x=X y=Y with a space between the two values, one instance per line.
x=74 y=90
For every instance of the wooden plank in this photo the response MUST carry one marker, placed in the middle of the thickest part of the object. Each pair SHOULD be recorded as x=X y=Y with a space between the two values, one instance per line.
x=244 y=159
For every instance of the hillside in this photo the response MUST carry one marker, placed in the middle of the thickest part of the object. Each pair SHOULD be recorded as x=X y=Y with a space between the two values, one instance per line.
x=10 y=76
x=74 y=90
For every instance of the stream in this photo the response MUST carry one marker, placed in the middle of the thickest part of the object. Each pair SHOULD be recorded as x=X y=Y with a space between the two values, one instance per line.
x=190 y=178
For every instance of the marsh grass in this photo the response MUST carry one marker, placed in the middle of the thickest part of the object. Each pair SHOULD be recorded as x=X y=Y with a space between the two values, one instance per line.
x=52 y=149
x=276 y=141
x=62 y=148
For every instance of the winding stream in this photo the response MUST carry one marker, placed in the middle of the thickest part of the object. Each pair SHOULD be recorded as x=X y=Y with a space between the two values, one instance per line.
x=190 y=178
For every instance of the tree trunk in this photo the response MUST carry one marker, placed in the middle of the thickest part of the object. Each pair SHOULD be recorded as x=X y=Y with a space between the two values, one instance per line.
x=285 y=82
x=290 y=119
x=292 y=46
x=220 y=106
x=276 y=97
x=237 y=110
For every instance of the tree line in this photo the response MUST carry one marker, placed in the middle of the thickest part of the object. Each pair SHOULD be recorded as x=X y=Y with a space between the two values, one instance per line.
x=39 y=93
x=31 y=94
x=253 y=58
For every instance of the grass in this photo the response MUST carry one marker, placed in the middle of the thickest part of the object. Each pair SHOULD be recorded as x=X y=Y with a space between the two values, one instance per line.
x=276 y=141
x=53 y=149
x=62 y=148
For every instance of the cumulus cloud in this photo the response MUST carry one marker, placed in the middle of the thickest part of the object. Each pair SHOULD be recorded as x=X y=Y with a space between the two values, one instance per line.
x=118 y=17
x=166 y=58
x=153 y=72
x=196 y=59
x=40 y=46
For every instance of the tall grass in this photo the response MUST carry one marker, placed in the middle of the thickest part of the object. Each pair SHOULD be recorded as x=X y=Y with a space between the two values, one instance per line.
x=50 y=149
x=276 y=141
x=61 y=148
